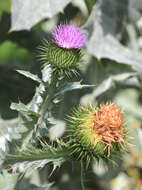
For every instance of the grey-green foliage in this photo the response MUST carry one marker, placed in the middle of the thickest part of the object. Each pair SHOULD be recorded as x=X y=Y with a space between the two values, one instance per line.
x=129 y=99
x=103 y=26
x=71 y=86
x=25 y=185
x=108 y=75
x=27 y=13
x=27 y=120
x=35 y=118
x=29 y=115
x=34 y=158
x=8 y=181
x=9 y=131
x=30 y=75
x=111 y=81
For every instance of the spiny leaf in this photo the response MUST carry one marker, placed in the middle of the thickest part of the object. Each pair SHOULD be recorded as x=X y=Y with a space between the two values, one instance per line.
x=27 y=120
x=30 y=75
x=23 y=108
x=71 y=86
x=37 y=158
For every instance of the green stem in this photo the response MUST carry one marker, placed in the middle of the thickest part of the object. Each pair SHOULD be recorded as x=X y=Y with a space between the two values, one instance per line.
x=49 y=97
x=47 y=104
x=83 y=172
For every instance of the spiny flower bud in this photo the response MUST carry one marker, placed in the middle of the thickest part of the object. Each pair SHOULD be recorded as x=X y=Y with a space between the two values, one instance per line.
x=97 y=133
x=63 y=51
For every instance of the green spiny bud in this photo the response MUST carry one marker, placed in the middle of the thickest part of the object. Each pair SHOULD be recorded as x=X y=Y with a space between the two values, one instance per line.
x=59 y=57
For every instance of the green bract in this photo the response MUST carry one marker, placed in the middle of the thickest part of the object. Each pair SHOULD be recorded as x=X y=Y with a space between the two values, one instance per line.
x=60 y=59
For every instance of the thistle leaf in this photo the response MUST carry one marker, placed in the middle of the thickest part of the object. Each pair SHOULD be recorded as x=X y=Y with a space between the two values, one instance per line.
x=23 y=108
x=30 y=75
x=27 y=122
x=71 y=86
x=27 y=13
x=36 y=158
x=110 y=82
x=8 y=181
x=102 y=42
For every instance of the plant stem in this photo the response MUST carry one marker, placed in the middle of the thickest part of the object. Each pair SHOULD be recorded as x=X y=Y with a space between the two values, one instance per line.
x=82 y=176
x=47 y=103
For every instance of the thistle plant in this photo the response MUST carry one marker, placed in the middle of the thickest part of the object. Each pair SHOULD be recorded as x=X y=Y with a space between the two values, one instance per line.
x=92 y=134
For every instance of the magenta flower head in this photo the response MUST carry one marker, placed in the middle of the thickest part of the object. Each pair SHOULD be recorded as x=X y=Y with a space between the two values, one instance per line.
x=68 y=36
x=63 y=52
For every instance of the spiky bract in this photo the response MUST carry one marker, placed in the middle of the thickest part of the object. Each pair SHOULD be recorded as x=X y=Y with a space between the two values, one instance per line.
x=96 y=133
x=61 y=60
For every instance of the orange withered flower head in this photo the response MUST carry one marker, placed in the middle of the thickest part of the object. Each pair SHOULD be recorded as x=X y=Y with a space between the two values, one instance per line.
x=97 y=132
x=108 y=122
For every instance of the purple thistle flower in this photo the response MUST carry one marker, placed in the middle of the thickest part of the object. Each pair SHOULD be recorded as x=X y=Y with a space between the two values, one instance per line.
x=68 y=36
